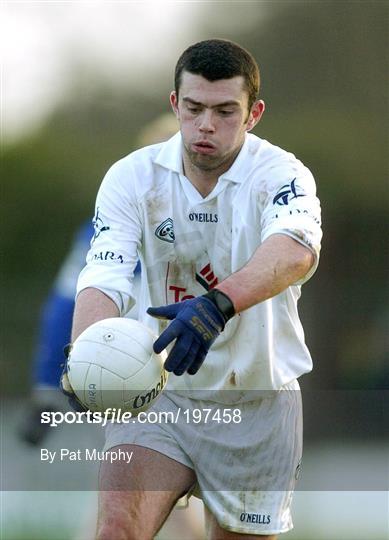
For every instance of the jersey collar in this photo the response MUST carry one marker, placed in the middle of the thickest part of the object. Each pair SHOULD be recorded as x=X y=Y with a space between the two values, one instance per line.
x=170 y=157
x=236 y=173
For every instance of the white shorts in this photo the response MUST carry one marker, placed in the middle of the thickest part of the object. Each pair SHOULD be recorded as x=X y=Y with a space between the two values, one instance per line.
x=246 y=470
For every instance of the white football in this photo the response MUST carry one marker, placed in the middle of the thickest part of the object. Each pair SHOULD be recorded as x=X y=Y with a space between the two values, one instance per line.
x=112 y=364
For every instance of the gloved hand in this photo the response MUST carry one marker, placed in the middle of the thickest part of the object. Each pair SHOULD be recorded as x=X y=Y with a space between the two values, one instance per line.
x=66 y=387
x=195 y=325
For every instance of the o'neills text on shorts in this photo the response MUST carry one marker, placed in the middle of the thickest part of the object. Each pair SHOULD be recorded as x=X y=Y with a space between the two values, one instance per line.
x=263 y=519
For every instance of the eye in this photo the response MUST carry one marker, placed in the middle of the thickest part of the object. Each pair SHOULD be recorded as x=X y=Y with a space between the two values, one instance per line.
x=224 y=112
x=194 y=110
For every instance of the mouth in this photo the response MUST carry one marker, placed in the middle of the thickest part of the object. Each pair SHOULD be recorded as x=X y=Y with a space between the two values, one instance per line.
x=203 y=147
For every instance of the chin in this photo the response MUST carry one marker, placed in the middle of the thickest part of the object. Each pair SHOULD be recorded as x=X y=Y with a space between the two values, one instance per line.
x=206 y=163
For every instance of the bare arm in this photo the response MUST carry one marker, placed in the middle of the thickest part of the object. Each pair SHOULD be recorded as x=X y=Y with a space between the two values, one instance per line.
x=279 y=262
x=92 y=305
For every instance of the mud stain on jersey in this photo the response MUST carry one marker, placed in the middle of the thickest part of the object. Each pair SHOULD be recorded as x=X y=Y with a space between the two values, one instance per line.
x=158 y=206
x=233 y=378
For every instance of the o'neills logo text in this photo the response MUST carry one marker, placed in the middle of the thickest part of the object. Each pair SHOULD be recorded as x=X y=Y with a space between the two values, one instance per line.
x=203 y=217
x=255 y=518
x=144 y=399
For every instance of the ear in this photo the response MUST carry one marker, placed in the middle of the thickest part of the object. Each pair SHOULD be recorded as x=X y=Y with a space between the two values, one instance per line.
x=255 y=115
x=174 y=103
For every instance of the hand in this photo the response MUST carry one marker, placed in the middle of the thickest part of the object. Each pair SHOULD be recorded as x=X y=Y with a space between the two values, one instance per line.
x=66 y=387
x=195 y=325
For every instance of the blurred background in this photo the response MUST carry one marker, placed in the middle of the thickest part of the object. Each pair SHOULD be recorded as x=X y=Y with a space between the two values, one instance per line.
x=82 y=79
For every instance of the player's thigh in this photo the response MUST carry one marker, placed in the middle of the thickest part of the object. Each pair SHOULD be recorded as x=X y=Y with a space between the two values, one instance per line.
x=215 y=532
x=136 y=498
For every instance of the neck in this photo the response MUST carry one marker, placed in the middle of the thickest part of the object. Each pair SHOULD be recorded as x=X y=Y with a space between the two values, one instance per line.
x=204 y=180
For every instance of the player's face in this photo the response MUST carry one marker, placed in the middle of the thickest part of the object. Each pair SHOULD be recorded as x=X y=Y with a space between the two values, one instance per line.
x=214 y=118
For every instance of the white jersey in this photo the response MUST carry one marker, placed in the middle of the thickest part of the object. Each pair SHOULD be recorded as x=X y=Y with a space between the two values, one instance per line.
x=146 y=208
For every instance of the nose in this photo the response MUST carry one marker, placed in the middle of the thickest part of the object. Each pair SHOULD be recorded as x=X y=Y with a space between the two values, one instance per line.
x=206 y=124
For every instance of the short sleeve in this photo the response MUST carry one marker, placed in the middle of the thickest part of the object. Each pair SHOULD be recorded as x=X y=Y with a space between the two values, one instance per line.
x=292 y=208
x=113 y=255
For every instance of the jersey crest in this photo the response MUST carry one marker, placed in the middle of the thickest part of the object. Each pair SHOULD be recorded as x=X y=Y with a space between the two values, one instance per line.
x=287 y=193
x=165 y=231
x=98 y=225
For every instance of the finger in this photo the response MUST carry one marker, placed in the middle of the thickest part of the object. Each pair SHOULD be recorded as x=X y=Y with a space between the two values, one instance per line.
x=165 y=312
x=188 y=359
x=196 y=364
x=67 y=349
x=178 y=354
x=168 y=335
x=65 y=385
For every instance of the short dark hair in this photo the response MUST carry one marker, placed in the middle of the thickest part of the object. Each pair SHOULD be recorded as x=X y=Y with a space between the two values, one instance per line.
x=216 y=59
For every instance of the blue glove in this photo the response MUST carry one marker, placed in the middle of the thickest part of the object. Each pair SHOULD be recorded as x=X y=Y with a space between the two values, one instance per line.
x=66 y=387
x=195 y=325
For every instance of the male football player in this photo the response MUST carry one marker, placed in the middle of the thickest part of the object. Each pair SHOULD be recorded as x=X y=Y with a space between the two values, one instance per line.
x=227 y=228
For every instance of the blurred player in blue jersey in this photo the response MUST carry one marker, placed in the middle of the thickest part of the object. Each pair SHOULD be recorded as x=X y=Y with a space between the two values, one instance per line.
x=57 y=312
x=54 y=331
